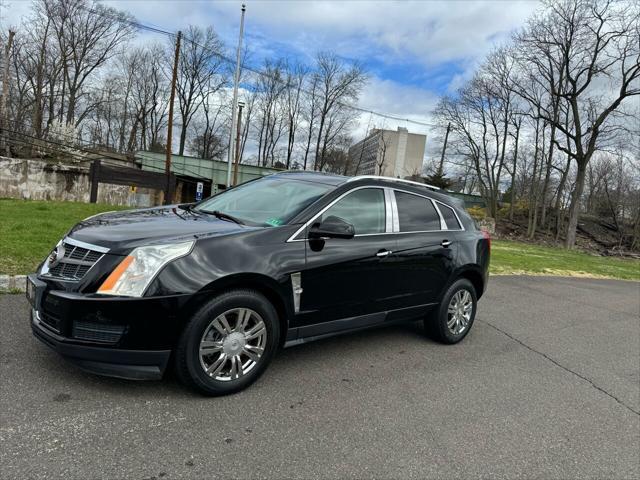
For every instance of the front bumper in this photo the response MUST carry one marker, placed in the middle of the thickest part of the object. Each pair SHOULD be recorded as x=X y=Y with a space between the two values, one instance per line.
x=114 y=336
x=111 y=362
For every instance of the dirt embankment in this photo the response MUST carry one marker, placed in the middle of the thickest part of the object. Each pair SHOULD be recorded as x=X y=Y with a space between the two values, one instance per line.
x=594 y=236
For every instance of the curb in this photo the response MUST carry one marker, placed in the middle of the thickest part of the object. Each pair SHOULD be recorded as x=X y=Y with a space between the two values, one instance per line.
x=13 y=283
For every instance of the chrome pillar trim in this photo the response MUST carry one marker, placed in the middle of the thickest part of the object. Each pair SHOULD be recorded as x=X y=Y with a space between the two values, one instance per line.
x=394 y=209
x=296 y=287
x=443 y=224
x=461 y=229
x=388 y=208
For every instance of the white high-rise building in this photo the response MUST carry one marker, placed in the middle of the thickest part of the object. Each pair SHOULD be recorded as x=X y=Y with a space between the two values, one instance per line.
x=389 y=153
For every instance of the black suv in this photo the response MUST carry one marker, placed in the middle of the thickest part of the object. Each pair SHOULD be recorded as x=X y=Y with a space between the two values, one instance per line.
x=218 y=286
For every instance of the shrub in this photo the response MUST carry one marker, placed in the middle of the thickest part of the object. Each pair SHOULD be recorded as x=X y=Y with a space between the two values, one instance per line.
x=477 y=213
x=521 y=208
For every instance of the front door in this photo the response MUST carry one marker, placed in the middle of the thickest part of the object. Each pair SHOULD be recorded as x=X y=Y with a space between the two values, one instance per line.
x=347 y=278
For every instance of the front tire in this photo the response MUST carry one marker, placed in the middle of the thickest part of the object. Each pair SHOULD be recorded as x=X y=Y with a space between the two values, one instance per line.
x=451 y=321
x=228 y=343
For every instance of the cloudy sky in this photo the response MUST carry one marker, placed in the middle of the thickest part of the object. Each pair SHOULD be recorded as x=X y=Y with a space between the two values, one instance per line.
x=414 y=51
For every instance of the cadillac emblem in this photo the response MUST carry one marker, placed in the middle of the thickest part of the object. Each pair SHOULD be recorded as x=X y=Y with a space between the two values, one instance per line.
x=56 y=256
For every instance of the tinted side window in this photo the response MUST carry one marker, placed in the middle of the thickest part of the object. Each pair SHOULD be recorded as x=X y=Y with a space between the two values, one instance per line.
x=449 y=217
x=364 y=209
x=416 y=213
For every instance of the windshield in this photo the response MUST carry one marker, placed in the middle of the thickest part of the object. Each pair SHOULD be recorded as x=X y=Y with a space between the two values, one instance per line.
x=269 y=201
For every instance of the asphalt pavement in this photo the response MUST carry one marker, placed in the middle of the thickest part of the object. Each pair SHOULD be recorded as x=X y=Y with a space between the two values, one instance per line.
x=546 y=385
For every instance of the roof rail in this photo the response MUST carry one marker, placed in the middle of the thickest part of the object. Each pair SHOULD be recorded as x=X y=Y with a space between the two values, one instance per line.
x=393 y=179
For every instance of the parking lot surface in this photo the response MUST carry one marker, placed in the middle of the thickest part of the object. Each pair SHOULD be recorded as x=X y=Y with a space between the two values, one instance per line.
x=547 y=384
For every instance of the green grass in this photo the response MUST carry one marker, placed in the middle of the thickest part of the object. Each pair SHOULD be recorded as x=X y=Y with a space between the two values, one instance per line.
x=511 y=257
x=30 y=229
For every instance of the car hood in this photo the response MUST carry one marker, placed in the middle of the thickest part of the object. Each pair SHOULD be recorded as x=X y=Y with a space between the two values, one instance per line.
x=132 y=228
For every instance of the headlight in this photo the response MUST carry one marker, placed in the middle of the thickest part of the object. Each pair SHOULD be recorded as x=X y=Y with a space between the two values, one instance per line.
x=134 y=274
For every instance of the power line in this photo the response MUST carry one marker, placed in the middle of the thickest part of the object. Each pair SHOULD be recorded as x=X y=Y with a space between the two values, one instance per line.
x=310 y=93
x=139 y=25
x=255 y=69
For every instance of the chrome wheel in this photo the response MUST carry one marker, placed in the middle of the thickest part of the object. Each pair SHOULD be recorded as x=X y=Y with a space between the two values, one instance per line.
x=459 y=312
x=232 y=344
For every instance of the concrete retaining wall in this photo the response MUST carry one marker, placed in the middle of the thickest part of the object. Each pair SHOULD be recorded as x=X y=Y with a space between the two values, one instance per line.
x=488 y=224
x=42 y=180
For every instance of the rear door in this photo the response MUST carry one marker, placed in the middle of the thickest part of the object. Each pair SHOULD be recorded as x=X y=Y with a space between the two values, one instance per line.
x=426 y=249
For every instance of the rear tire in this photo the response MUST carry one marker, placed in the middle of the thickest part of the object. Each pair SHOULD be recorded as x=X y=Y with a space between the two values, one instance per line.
x=228 y=343
x=451 y=321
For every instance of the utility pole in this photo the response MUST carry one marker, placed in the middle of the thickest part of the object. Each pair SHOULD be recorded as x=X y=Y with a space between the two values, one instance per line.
x=444 y=149
x=234 y=108
x=237 y=160
x=4 y=113
x=167 y=164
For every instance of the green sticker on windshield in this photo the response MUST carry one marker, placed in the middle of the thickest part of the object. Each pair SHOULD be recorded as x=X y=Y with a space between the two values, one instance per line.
x=274 y=221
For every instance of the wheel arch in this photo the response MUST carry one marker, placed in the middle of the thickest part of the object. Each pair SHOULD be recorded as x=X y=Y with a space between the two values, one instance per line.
x=476 y=278
x=473 y=273
x=273 y=291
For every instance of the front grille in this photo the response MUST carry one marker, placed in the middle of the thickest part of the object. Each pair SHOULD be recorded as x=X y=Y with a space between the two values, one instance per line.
x=97 y=332
x=75 y=263
x=79 y=253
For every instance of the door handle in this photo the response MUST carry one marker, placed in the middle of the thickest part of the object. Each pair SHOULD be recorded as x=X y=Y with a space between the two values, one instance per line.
x=445 y=243
x=383 y=253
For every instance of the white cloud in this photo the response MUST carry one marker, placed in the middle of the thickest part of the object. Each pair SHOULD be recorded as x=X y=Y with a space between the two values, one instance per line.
x=399 y=100
x=427 y=33
x=12 y=11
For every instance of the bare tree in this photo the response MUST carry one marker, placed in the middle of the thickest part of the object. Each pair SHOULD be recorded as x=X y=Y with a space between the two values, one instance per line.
x=249 y=109
x=310 y=115
x=200 y=62
x=337 y=157
x=477 y=116
x=338 y=85
x=37 y=57
x=270 y=109
x=516 y=123
x=381 y=158
x=150 y=92
x=215 y=116
x=88 y=35
x=158 y=87
x=295 y=83
x=336 y=123
x=211 y=146
x=594 y=45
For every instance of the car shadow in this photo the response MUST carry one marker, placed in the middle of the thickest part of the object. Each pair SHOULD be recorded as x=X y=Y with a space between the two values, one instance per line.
x=367 y=341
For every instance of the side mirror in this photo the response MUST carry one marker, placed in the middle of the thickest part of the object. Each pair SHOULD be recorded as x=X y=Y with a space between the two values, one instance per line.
x=332 y=227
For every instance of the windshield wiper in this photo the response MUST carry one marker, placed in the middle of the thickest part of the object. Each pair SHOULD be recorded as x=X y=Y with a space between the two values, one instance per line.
x=223 y=216
x=187 y=207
